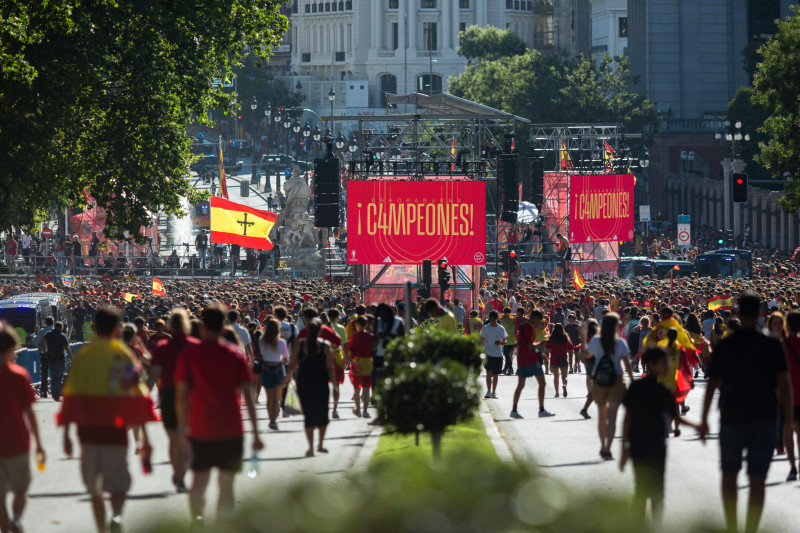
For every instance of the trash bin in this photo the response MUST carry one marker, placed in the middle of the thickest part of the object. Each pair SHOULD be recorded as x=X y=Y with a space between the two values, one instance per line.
x=244 y=189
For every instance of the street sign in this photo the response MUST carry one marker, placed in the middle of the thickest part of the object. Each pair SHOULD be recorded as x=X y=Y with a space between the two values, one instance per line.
x=47 y=233
x=684 y=234
x=684 y=219
x=644 y=213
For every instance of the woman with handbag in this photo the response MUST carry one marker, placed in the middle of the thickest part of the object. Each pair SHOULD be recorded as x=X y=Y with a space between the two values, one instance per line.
x=609 y=352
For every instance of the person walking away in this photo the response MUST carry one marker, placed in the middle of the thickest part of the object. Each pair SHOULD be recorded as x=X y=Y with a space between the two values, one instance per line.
x=275 y=354
x=210 y=380
x=312 y=357
x=560 y=347
x=573 y=331
x=474 y=323
x=442 y=318
x=44 y=372
x=359 y=347
x=104 y=410
x=750 y=370
x=493 y=339
x=56 y=347
x=166 y=353
x=588 y=332
x=327 y=334
x=387 y=328
x=608 y=389
x=529 y=362
x=792 y=345
x=19 y=424
x=644 y=437
x=509 y=324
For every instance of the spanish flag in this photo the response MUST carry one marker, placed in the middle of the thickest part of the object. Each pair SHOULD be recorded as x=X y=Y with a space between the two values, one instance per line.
x=719 y=302
x=223 y=183
x=577 y=280
x=563 y=154
x=453 y=153
x=129 y=296
x=103 y=388
x=659 y=333
x=158 y=288
x=233 y=223
x=608 y=155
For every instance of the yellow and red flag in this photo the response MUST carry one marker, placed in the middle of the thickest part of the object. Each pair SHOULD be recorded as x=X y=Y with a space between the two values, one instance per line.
x=233 y=223
x=608 y=155
x=453 y=153
x=563 y=154
x=103 y=388
x=223 y=183
x=659 y=333
x=129 y=296
x=158 y=288
x=577 y=280
x=720 y=302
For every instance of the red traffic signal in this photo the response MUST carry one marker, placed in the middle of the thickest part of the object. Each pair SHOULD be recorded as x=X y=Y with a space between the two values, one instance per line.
x=443 y=263
x=739 y=187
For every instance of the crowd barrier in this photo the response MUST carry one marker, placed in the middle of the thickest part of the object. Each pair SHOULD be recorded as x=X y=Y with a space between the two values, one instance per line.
x=28 y=358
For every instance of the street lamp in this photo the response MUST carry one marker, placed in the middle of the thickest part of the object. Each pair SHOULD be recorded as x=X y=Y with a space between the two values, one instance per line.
x=299 y=85
x=340 y=142
x=253 y=107
x=306 y=135
x=296 y=126
x=331 y=98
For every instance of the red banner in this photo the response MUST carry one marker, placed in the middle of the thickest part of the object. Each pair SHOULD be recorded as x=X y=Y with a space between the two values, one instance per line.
x=406 y=222
x=601 y=208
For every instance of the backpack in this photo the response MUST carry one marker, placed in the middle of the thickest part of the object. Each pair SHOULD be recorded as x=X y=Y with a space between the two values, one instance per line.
x=604 y=373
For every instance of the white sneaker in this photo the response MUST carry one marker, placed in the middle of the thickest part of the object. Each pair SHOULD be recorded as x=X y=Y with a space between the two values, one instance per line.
x=488 y=395
x=515 y=414
x=545 y=414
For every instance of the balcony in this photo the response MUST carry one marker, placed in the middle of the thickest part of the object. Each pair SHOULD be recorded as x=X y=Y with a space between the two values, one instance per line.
x=429 y=53
x=339 y=57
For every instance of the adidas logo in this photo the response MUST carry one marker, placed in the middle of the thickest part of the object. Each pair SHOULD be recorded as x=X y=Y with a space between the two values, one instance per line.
x=387 y=260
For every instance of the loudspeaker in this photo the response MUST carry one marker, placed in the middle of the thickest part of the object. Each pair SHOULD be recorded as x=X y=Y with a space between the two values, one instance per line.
x=508 y=187
x=326 y=193
x=536 y=195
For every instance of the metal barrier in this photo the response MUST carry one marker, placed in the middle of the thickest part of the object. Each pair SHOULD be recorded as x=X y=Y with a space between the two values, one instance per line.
x=28 y=358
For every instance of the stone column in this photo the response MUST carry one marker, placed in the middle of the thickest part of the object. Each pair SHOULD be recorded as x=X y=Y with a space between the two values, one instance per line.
x=413 y=22
x=446 y=23
x=402 y=13
x=455 y=25
x=726 y=199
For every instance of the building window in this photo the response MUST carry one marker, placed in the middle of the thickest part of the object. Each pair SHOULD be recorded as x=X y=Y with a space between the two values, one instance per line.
x=429 y=36
x=424 y=86
x=333 y=6
x=393 y=4
x=428 y=4
x=462 y=26
x=395 y=36
x=313 y=8
x=623 y=26
x=388 y=85
x=463 y=4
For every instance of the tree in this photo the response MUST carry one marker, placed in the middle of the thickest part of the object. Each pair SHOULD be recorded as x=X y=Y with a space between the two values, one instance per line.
x=95 y=96
x=489 y=43
x=558 y=89
x=777 y=89
x=752 y=116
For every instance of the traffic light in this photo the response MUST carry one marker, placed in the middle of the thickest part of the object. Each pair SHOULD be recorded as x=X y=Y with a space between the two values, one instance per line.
x=424 y=290
x=443 y=275
x=739 y=187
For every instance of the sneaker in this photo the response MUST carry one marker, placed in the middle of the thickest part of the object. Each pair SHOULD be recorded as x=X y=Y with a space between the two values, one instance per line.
x=365 y=414
x=515 y=414
x=556 y=394
x=585 y=414
x=335 y=414
x=685 y=409
x=488 y=396
x=494 y=395
x=116 y=525
x=545 y=414
x=677 y=432
x=180 y=487
x=273 y=425
x=792 y=475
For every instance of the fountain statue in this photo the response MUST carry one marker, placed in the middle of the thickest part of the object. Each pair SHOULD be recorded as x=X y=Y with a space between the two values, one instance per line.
x=298 y=238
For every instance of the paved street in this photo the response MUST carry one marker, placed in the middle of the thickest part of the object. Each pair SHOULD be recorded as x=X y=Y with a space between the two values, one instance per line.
x=566 y=447
x=58 y=502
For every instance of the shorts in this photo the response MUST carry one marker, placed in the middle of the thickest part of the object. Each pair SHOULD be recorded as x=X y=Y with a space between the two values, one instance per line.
x=340 y=374
x=166 y=402
x=15 y=474
x=562 y=362
x=361 y=382
x=272 y=376
x=648 y=475
x=758 y=438
x=607 y=395
x=104 y=468
x=223 y=454
x=530 y=371
x=494 y=365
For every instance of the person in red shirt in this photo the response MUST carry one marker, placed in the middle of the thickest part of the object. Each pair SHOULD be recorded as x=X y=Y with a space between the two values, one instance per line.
x=529 y=362
x=166 y=353
x=560 y=347
x=18 y=422
x=326 y=333
x=209 y=413
x=11 y=250
x=360 y=348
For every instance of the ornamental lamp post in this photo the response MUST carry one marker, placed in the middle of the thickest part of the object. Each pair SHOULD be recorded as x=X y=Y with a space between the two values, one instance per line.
x=253 y=107
x=331 y=98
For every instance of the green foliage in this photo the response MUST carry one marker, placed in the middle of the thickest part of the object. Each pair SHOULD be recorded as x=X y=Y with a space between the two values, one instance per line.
x=752 y=116
x=489 y=43
x=558 y=89
x=434 y=345
x=95 y=96
x=465 y=492
x=254 y=78
x=427 y=397
x=777 y=89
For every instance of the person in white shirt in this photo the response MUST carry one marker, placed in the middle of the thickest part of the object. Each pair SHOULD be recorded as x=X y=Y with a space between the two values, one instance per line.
x=275 y=354
x=494 y=337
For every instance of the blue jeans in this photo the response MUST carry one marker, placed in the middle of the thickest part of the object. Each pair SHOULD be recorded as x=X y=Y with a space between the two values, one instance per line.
x=202 y=253
x=56 y=377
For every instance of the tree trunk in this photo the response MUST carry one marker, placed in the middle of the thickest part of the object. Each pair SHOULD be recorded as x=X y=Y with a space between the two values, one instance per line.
x=436 y=441
x=416 y=438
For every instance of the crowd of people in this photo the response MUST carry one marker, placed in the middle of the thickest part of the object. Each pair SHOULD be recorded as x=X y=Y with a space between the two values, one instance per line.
x=304 y=338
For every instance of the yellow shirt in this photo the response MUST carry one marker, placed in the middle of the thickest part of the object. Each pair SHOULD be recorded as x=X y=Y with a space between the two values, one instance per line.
x=446 y=322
